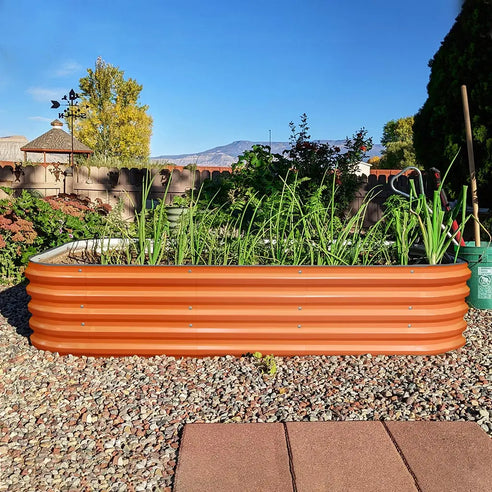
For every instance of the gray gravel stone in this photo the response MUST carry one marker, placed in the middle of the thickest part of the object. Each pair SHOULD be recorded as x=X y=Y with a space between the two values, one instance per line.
x=85 y=423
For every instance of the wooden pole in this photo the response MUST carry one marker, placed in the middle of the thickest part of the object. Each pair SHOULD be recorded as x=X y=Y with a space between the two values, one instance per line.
x=471 y=163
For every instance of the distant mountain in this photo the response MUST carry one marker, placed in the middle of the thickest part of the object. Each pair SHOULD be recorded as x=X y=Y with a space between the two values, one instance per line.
x=226 y=155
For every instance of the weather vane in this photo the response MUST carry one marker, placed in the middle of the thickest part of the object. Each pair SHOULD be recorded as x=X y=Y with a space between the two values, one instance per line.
x=72 y=111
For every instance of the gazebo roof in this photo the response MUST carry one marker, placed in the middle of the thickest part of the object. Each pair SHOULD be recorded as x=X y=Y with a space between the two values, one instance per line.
x=56 y=140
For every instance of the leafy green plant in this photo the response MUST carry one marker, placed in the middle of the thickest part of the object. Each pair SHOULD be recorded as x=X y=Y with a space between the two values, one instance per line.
x=260 y=173
x=403 y=225
x=314 y=160
x=279 y=229
x=180 y=201
x=266 y=364
x=436 y=225
x=151 y=249
x=146 y=242
x=30 y=223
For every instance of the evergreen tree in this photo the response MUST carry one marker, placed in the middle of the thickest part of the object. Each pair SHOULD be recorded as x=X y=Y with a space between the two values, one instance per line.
x=116 y=124
x=465 y=57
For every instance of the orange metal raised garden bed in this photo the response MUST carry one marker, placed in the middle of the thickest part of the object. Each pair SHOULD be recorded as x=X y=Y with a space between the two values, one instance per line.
x=214 y=310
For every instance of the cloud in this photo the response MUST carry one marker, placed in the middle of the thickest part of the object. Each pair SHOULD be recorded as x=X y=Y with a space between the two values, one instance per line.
x=68 y=68
x=41 y=94
x=39 y=118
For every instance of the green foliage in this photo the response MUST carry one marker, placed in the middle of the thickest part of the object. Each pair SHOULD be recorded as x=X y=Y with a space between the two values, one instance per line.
x=464 y=58
x=180 y=201
x=258 y=169
x=144 y=241
x=436 y=225
x=266 y=364
x=30 y=224
x=151 y=247
x=316 y=161
x=117 y=126
x=116 y=162
x=427 y=223
x=279 y=229
x=258 y=176
x=402 y=225
x=398 y=140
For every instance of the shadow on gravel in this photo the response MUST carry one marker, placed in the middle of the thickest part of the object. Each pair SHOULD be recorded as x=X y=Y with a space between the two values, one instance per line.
x=13 y=307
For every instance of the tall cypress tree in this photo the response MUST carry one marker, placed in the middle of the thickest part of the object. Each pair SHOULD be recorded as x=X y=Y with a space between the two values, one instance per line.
x=465 y=57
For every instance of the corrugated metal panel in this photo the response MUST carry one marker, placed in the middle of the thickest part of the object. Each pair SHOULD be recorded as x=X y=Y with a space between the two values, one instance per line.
x=201 y=311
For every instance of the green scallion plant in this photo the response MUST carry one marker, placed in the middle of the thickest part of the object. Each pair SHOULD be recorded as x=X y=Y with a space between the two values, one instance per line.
x=402 y=225
x=436 y=224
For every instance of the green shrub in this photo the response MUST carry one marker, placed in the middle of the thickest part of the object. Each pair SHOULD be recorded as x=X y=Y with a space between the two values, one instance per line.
x=30 y=224
x=259 y=175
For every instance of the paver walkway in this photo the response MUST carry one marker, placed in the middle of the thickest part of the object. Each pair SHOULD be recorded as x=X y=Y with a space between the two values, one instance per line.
x=335 y=456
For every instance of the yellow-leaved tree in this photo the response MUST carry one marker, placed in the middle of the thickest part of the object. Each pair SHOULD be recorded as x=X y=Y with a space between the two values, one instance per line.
x=398 y=140
x=116 y=126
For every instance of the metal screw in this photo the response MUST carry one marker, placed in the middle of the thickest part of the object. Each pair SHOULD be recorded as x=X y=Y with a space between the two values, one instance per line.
x=298 y=326
x=80 y=269
x=189 y=271
x=190 y=307
x=410 y=307
x=411 y=271
x=81 y=305
x=409 y=325
x=83 y=324
x=300 y=271
x=190 y=325
x=300 y=308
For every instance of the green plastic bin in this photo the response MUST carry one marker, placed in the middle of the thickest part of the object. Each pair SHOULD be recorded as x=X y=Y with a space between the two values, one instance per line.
x=480 y=263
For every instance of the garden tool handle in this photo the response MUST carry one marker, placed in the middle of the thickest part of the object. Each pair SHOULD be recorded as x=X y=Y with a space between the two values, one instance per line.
x=403 y=171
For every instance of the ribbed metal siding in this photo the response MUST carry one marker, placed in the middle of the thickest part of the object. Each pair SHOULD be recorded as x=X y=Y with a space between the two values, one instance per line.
x=201 y=311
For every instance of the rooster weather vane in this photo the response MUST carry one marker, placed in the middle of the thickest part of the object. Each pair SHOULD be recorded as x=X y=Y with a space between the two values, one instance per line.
x=72 y=111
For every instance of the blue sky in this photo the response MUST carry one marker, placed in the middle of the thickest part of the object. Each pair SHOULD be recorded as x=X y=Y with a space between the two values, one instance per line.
x=224 y=70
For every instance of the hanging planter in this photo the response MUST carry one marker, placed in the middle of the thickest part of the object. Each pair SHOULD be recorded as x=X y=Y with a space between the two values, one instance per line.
x=218 y=310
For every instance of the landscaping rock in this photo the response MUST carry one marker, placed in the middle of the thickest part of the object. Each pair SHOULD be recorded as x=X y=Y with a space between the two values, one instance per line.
x=85 y=423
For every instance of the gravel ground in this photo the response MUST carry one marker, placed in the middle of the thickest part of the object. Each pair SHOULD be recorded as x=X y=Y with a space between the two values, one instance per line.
x=81 y=423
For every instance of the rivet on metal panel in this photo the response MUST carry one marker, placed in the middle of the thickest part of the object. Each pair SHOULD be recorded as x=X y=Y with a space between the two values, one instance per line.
x=300 y=308
x=299 y=326
x=190 y=307
x=190 y=325
x=409 y=325
x=83 y=324
x=410 y=307
x=81 y=305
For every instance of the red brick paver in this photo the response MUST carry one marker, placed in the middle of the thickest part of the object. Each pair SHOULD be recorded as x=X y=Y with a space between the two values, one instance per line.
x=456 y=453
x=233 y=457
x=335 y=456
x=341 y=456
